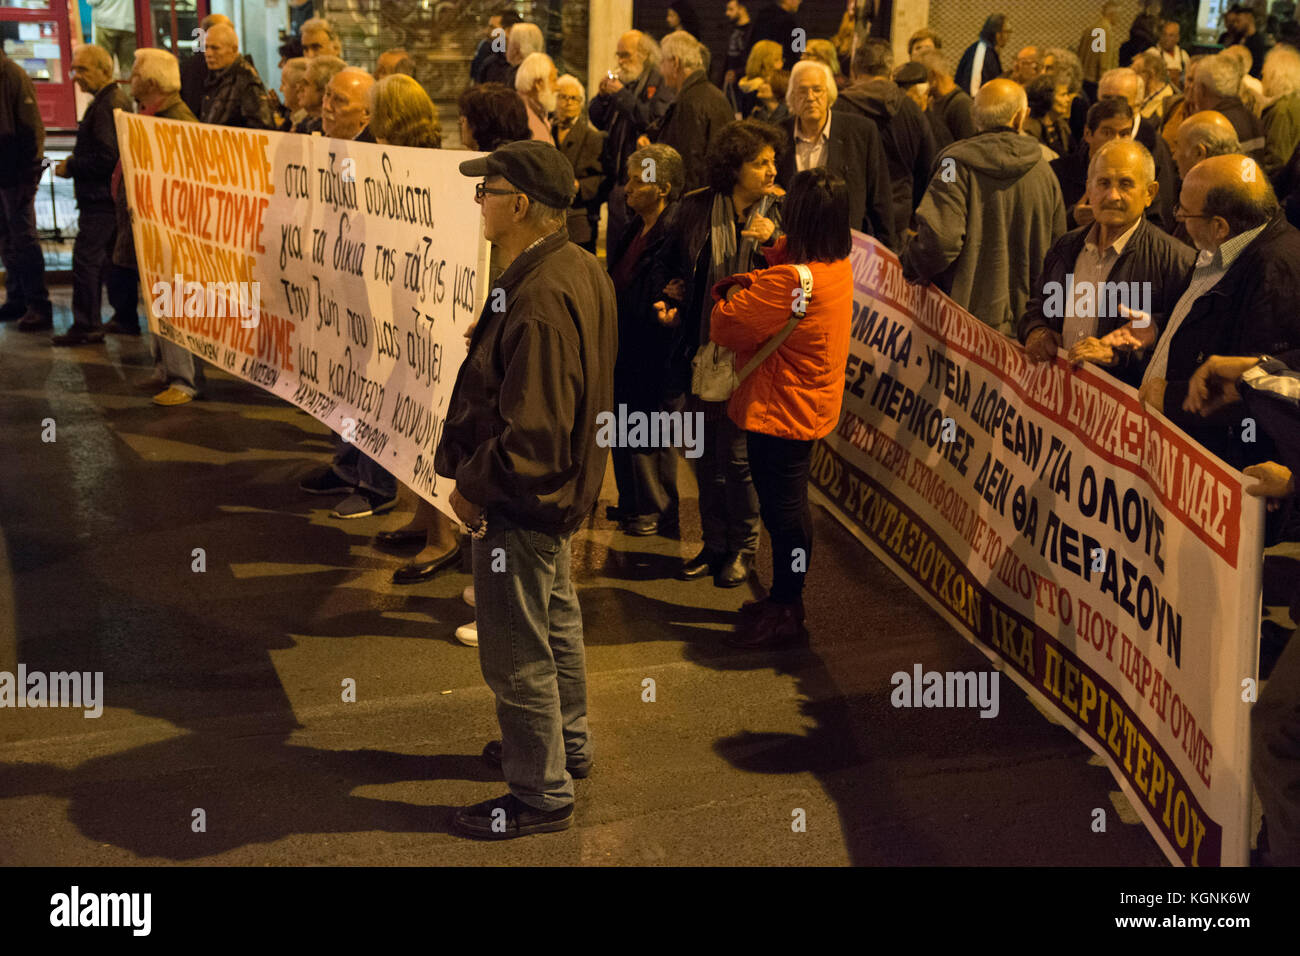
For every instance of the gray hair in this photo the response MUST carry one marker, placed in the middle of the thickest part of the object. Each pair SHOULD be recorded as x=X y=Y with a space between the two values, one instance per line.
x=649 y=49
x=527 y=39
x=1281 y=74
x=1153 y=64
x=570 y=80
x=535 y=66
x=322 y=69
x=668 y=167
x=1215 y=141
x=683 y=48
x=1220 y=73
x=1001 y=111
x=294 y=68
x=1124 y=73
x=159 y=68
x=100 y=58
x=1066 y=67
x=1148 y=164
x=803 y=66
x=935 y=61
x=542 y=216
x=319 y=23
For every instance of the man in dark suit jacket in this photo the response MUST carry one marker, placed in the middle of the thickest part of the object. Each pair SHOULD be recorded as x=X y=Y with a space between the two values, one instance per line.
x=583 y=146
x=846 y=144
x=1243 y=297
x=699 y=111
x=1074 y=303
x=91 y=165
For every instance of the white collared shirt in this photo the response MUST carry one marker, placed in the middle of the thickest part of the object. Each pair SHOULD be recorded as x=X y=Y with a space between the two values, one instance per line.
x=812 y=153
x=1093 y=266
x=1210 y=268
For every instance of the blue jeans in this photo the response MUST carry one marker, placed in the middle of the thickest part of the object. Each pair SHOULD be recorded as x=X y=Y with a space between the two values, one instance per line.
x=531 y=654
x=361 y=470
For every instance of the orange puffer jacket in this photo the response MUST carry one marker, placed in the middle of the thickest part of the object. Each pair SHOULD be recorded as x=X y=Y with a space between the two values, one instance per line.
x=796 y=393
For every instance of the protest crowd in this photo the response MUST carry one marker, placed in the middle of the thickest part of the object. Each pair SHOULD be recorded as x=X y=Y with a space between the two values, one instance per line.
x=998 y=174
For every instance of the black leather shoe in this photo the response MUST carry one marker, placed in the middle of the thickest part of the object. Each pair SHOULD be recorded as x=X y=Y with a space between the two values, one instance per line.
x=415 y=573
x=77 y=336
x=615 y=513
x=492 y=757
x=507 y=817
x=733 y=571
x=401 y=538
x=12 y=311
x=706 y=562
x=642 y=526
x=114 y=327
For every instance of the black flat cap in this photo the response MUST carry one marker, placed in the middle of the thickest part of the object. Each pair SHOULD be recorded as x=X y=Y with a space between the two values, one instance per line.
x=537 y=169
x=910 y=74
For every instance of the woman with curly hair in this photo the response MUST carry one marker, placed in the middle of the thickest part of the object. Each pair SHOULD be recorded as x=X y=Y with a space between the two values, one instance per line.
x=723 y=229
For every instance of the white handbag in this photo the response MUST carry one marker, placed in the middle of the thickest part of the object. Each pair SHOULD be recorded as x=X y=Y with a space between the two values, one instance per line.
x=713 y=370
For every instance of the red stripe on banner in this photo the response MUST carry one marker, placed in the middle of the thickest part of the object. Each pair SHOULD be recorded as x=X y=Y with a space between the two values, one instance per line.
x=1211 y=481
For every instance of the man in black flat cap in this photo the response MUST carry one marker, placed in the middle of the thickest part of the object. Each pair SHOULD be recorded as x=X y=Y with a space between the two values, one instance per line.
x=520 y=441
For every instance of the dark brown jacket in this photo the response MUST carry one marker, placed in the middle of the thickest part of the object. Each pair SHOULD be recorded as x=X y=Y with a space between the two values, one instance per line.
x=520 y=432
x=584 y=148
x=22 y=134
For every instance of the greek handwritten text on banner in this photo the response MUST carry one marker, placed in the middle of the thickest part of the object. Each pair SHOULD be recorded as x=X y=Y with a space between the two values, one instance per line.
x=340 y=276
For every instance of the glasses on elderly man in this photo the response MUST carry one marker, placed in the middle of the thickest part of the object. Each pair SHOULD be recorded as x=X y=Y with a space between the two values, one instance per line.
x=481 y=190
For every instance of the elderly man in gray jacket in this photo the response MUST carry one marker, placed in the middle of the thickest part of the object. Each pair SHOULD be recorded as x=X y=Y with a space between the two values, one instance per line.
x=991 y=213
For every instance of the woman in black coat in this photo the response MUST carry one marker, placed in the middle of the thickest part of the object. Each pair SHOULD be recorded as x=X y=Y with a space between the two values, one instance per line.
x=644 y=263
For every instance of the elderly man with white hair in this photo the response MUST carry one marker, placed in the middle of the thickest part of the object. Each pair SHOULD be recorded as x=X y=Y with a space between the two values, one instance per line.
x=233 y=94
x=1216 y=85
x=990 y=215
x=156 y=87
x=535 y=83
x=700 y=109
x=1282 y=114
x=583 y=146
x=846 y=144
x=522 y=41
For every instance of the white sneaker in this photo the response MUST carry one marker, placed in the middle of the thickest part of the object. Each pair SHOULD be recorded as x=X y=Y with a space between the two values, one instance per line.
x=467 y=595
x=467 y=634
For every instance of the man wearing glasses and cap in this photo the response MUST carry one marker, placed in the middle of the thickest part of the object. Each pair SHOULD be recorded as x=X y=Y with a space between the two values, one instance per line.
x=520 y=442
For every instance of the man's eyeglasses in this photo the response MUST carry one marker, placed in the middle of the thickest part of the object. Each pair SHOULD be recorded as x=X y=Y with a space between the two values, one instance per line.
x=568 y=97
x=1180 y=211
x=481 y=190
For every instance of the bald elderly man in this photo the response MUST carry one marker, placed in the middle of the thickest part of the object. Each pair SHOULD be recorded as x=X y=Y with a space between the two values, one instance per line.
x=345 y=108
x=990 y=216
x=1243 y=297
x=1084 y=291
x=1200 y=136
x=1126 y=84
x=90 y=167
x=233 y=94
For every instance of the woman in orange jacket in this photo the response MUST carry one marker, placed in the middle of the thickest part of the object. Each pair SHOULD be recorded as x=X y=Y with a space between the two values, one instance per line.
x=793 y=397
